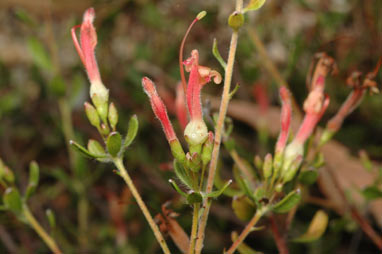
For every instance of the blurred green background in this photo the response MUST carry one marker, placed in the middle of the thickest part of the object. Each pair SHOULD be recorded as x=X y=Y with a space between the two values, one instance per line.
x=43 y=84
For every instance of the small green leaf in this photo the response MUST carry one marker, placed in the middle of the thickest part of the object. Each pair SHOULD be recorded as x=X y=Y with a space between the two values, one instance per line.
x=132 y=131
x=243 y=207
x=34 y=173
x=288 y=202
x=94 y=147
x=82 y=150
x=216 y=53
x=372 y=192
x=51 y=218
x=254 y=5
x=176 y=187
x=316 y=228
x=39 y=55
x=6 y=173
x=308 y=177
x=12 y=200
x=194 y=197
x=217 y=193
x=181 y=173
x=114 y=143
x=243 y=184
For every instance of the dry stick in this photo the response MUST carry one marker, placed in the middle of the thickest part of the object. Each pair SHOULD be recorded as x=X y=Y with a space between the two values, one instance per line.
x=246 y=231
x=218 y=133
x=280 y=240
x=271 y=68
x=40 y=231
x=362 y=222
x=154 y=227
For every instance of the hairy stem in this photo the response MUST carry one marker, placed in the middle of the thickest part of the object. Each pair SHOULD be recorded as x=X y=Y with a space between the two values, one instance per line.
x=194 y=229
x=246 y=231
x=40 y=231
x=158 y=235
x=218 y=132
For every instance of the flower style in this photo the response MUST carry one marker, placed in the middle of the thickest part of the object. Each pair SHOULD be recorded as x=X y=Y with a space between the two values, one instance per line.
x=86 y=49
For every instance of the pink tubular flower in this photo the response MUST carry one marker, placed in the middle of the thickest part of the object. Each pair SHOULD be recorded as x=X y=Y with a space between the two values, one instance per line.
x=180 y=106
x=159 y=109
x=196 y=130
x=86 y=49
x=286 y=116
x=260 y=94
x=88 y=39
x=315 y=106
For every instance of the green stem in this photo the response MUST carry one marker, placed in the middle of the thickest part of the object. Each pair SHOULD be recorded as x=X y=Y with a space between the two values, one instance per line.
x=218 y=132
x=40 y=231
x=246 y=231
x=158 y=235
x=195 y=218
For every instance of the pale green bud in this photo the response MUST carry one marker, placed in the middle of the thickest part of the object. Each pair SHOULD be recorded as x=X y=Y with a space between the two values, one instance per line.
x=196 y=132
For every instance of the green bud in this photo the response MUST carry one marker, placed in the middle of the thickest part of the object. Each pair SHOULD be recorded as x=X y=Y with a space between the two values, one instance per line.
x=6 y=173
x=292 y=151
x=201 y=15
x=258 y=162
x=132 y=131
x=177 y=151
x=236 y=20
x=101 y=105
x=291 y=172
x=104 y=130
x=196 y=132
x=278 y=162
x=326 y=136
x=34 y=173
x=194 y=197
x=193 y=162
x=113 y=116
x=267 y=167
x=207 y=149
x=114 y=143
x=92 y=114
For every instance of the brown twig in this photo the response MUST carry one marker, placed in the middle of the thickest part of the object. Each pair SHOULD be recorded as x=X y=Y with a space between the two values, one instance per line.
x=279 y=239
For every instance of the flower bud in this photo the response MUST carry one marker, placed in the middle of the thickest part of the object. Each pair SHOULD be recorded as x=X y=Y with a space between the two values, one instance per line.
x=236 y=20
x=92 y=115
x=101 y=105
x=196 y=132
x=293 y=151
x=207 y=149
x=267 y=167
x=292 y=170
x=113 y=116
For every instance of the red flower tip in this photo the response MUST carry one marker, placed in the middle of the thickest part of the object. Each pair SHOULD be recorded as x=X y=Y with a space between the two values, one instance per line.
x=259 y=92
x=159 y=108
x=88 y=42
x=286 y=116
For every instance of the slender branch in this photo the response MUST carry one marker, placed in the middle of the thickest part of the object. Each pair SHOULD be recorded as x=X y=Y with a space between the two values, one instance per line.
x=40 y=231
x=280 y=240
x=362 y=222
x=158 y=235
x=194 y=229
x=218 y=132
x=246 y=231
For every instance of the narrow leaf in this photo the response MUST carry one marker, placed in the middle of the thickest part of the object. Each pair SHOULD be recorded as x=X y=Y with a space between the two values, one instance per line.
x=12 y=200
x=216 y=53
x=288 y=202
x=132 y=131
x=372 y=192
x=254 y=5
x=39 y=55
x=316 y=228
x=176 y=187
x=51 y=218
x=181 y=173
x=217 y=193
